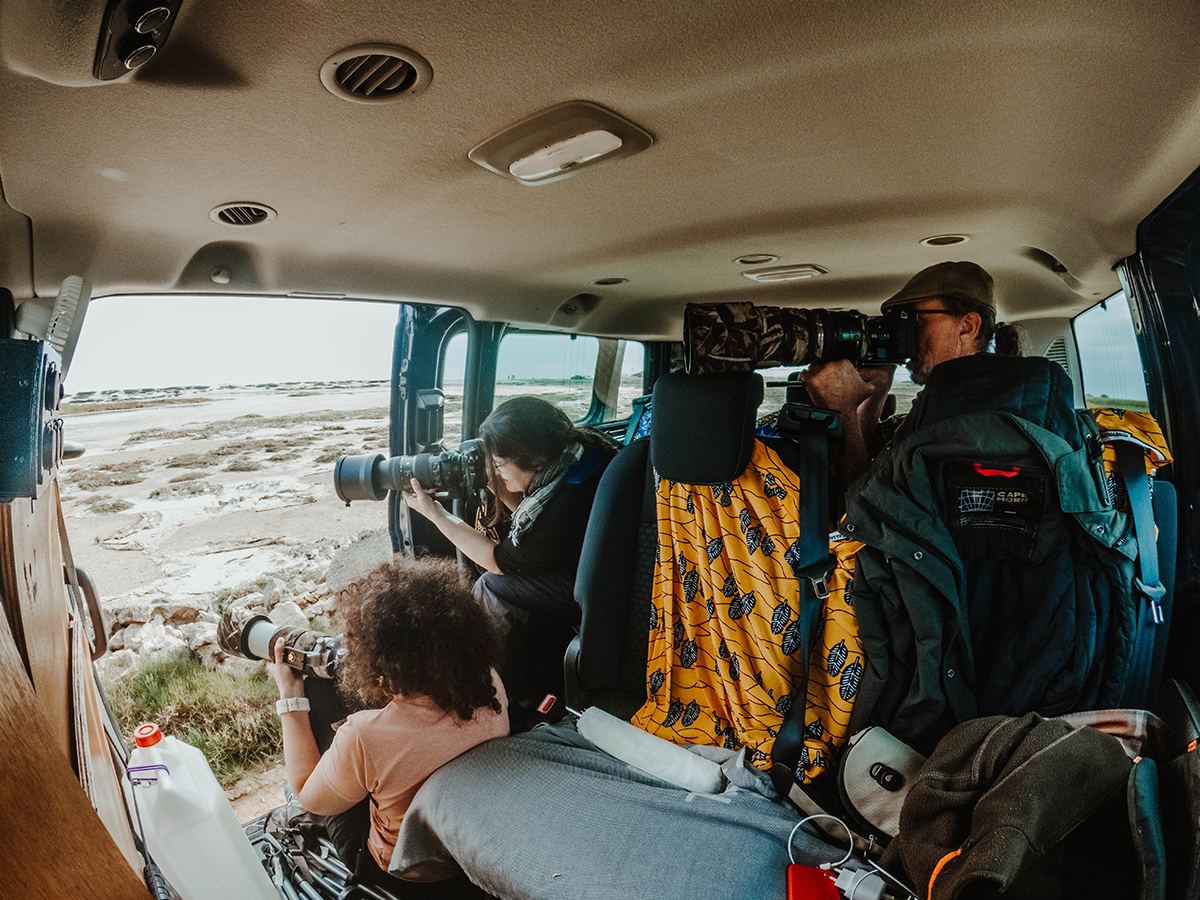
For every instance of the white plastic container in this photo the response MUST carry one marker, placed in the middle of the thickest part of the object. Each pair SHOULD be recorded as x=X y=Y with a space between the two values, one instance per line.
x=190 y=829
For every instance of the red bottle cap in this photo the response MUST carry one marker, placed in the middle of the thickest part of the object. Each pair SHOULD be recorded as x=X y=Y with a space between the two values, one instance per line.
x=147 y=735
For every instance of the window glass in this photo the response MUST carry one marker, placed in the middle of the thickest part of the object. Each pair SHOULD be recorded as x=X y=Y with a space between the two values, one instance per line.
x=562 y=369
x=1108 y=355
x=454 y=371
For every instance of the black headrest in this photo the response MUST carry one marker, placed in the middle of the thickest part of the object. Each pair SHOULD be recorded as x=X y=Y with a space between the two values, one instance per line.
x=1029 y=387
x=703 y=426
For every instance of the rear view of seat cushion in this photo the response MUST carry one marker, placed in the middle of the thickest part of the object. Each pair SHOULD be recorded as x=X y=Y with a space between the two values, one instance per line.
x=723 y=659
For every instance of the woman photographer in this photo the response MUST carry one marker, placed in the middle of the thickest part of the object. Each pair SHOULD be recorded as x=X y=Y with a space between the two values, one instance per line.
x=542 y=472
x=421 y=653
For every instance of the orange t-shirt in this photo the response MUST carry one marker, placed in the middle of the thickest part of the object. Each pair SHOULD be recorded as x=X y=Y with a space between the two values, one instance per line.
x=388 y=753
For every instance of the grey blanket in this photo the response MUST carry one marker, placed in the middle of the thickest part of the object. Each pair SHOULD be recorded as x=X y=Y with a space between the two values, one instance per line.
x=547 y=815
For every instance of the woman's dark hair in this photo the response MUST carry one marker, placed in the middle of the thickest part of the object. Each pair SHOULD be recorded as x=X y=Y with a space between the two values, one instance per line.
x=414 y=628
x=1007 y=337
x=532 y=434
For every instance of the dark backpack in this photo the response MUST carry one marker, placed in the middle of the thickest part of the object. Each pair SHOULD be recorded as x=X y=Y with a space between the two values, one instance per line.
x=997 y=577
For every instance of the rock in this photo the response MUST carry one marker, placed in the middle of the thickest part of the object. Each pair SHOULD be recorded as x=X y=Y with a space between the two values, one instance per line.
x=358 y=560
x=201 y=639
x=288 y=615
x=117 y=641
x=273 y=593
x=113 y=667
x=249 y=601
x=155 y=639
x=135 y=612
x=198 y=634
x=209 y=616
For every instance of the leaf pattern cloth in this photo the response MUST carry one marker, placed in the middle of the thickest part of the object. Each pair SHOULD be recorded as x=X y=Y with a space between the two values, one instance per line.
x=723 y=664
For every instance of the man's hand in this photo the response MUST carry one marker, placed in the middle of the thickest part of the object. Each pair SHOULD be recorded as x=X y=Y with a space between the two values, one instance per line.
x=836 y=385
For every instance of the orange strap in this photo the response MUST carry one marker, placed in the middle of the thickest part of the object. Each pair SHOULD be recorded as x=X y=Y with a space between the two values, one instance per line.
x=938 y=868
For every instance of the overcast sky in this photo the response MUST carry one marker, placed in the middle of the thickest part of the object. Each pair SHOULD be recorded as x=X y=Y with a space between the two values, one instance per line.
x=132 y=342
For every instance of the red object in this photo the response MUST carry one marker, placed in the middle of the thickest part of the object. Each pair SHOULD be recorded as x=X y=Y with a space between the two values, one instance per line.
x=809 y=883
x=147 y=735
x=1006 y=473
x=547 y=704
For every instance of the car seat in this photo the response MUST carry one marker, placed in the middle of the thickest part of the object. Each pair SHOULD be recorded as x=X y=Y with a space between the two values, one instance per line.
x=740 y=577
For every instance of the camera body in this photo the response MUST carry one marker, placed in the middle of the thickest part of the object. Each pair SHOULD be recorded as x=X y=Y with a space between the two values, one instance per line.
x=731 y=337
x=454 y=473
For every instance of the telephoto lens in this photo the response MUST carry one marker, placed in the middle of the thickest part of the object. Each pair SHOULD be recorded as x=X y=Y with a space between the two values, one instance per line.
x=250 y=636
x=452 y=473
x=740 y=337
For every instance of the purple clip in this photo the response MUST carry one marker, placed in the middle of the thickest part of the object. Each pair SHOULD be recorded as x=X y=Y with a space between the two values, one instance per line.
x=142 y=780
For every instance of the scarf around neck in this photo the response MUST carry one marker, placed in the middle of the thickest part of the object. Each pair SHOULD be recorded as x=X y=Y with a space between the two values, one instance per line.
x=543 y=487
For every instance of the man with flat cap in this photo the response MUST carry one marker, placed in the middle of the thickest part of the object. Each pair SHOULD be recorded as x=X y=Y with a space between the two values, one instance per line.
x=956 y=316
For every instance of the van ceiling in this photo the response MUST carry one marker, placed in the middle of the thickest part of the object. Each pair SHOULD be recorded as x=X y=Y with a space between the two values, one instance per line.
x=839 y=135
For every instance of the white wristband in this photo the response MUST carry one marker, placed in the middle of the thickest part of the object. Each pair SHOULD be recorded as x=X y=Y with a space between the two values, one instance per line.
x=292 y=704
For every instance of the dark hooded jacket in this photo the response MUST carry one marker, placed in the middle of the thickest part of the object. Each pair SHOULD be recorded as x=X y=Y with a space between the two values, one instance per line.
x=996 y=578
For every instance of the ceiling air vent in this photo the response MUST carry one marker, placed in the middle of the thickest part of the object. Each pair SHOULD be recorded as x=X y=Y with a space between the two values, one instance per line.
x=1057 y=352
x=375 y=73
x=242 y=214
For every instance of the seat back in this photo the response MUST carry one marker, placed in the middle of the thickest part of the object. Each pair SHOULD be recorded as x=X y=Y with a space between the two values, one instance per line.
x=695 y=582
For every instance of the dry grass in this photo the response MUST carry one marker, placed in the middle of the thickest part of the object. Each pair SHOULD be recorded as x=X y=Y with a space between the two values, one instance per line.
x=243 y=465
x=103 y=505
x=185 y=489
x=187 y=476
x=191 y=460
x=230 y=718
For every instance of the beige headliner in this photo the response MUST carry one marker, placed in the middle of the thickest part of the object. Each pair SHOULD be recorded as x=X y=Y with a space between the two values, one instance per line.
x=838 y=134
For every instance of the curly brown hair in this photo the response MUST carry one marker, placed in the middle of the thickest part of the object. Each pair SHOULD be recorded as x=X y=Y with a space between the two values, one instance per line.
x=414 y=628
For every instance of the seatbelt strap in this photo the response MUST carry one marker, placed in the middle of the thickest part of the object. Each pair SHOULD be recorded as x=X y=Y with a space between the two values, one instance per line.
x=1132 y=463
x=810 y=429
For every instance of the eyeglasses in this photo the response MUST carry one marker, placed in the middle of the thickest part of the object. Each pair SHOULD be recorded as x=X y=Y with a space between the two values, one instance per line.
x=934 y=312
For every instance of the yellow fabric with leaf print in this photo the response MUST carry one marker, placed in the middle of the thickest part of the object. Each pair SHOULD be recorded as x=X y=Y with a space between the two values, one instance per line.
x=1134 y=427
x=723 y=654
x=835 y=667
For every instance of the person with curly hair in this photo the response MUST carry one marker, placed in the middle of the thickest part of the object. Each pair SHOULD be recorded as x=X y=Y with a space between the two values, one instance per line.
x=421 y=653
x=542 y=473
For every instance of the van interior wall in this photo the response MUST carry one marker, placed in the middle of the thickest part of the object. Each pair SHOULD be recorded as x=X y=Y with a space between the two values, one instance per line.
x=55 y=844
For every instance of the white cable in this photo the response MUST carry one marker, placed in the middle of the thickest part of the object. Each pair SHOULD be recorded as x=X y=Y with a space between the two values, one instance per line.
x=849 y=834
x=886 y=874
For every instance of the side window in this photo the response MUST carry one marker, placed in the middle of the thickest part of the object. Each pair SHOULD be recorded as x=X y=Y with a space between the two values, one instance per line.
x=1109 y=357
x=568 y=370
x=454 y=372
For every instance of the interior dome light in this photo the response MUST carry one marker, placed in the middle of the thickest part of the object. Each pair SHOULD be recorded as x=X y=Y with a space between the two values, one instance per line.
x=559 y=142
x=565 y=154
x=785 y=273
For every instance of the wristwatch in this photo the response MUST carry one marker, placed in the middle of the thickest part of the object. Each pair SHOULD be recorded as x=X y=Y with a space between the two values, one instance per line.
x=292 y=704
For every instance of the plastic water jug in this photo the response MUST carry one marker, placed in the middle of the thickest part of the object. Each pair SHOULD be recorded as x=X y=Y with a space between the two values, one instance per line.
x=190 y=829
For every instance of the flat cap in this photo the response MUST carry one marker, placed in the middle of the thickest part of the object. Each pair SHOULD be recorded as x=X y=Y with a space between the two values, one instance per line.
x=964 y=280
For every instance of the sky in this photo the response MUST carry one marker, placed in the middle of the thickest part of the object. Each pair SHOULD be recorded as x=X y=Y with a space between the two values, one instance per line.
x=134 y=342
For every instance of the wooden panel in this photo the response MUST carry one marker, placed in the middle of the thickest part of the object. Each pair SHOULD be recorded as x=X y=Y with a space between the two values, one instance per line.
x=54 y=845
x=35 y=600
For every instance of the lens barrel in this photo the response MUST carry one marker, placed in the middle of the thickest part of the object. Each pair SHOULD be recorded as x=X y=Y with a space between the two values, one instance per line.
x=739 y=337
x=455 y=473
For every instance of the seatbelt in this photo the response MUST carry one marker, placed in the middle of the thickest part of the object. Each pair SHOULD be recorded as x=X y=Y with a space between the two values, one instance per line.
x=1132 y=463
x=811 y=430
